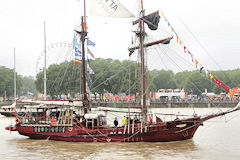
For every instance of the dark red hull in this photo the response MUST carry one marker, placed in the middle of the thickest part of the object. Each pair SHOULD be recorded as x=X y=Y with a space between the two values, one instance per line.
x=153 y=133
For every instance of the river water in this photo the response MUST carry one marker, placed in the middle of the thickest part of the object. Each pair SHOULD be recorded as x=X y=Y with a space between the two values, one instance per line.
x=218 y=139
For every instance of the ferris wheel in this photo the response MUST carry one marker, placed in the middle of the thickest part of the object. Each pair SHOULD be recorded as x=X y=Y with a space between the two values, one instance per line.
x=56 y=53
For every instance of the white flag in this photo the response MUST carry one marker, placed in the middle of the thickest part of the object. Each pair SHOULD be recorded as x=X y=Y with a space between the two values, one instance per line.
x=109 y=8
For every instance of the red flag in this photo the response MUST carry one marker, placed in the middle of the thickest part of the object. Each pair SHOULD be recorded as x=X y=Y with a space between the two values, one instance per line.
x=226 y=88
x=191 y=56
x=185 y=49
x=218 y=82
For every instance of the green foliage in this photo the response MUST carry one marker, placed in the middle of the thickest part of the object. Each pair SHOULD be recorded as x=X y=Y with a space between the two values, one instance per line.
x=113 y=76
x=7 y=82
x=29 y=85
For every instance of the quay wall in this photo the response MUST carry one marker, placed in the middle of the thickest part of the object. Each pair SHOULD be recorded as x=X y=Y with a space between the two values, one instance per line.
x=169 y=104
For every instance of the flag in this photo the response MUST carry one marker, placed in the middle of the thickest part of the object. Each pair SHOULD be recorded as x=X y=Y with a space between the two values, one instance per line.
x=231 y=92
x=201 y=69
x=191 y=56
x=218 y=82
x=177 y=39
x=196 y=62
x=210 y=76
x=90 y=53
x=180 y=41
x=89 y=80
x=152 y=20
x=77 y=61
x=226 y=88
x=90 y=43
x=185 y=49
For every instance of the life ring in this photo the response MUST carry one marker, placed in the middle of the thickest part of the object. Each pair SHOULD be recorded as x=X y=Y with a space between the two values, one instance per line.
x=17 y=120
x=70 y=129
x=53 y=121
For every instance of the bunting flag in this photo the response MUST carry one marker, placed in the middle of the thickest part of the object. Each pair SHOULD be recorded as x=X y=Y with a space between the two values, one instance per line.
x=210 y=76
x=201 y=69
x=90 y=43
x=185 y=49
x=191 y=56
x=226 y=88
x=231 y=92
x=218 y=82
x=196 y=62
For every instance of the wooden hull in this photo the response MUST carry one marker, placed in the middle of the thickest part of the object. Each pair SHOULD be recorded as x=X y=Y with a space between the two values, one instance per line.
x=153 y=133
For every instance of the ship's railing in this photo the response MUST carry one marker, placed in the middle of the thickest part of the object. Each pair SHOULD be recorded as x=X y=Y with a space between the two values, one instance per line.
x=40 y=120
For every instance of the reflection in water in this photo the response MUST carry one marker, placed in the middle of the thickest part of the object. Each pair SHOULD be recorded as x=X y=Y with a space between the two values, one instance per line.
x=215 y=141
x=42 y=149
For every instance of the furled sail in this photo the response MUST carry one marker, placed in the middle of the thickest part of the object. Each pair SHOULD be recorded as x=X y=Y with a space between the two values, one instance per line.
x=109 y=8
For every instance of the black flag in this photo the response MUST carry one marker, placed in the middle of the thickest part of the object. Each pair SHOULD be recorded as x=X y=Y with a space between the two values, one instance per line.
x=152 y=20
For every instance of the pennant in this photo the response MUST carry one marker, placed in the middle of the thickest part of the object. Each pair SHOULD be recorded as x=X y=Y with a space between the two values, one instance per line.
x=89 y=80
x=226 y=88
x=210 y=76
x=231 y=92
x=90 y=53
x=196 y=62
x=177 y=39
x=168 y=24
x=172 y=29
x=180 y=41
x=90 y=43
x=191 y=56
x=89 y=69
x=163 y=14
x=219 y=83
x=201 y=69
x=185 y=49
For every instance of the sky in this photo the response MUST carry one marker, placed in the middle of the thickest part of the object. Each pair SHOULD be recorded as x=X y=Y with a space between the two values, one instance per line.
x=212 y=24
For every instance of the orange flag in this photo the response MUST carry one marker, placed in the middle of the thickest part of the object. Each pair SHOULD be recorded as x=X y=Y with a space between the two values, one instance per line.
x=230 y=93
x=196 y=62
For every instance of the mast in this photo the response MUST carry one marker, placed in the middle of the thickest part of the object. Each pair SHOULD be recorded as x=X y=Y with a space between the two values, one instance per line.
x=45 y=65
x=142 y=37
x=83 y=34
x=15 y=81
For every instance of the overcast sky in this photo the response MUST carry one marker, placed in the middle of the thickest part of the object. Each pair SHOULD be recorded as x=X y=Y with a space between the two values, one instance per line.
x=215 y=24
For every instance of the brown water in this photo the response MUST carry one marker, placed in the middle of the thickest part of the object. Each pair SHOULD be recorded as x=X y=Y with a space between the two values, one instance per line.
x=216 y=140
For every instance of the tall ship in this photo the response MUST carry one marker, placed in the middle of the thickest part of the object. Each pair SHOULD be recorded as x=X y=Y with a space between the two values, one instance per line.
x=79 y=123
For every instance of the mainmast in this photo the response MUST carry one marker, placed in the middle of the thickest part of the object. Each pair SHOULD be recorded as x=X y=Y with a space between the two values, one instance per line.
x=152 y=21
x=143 y=78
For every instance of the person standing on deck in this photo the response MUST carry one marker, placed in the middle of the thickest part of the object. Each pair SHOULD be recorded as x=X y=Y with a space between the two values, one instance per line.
x=48 y=114
x=124 y=121
x=116 y=124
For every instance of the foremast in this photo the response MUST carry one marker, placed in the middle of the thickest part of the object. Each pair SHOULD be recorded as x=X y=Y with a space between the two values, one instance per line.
x=83 y=34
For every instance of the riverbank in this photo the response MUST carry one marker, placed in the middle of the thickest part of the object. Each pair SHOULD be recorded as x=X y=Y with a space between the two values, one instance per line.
x=168 y=104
